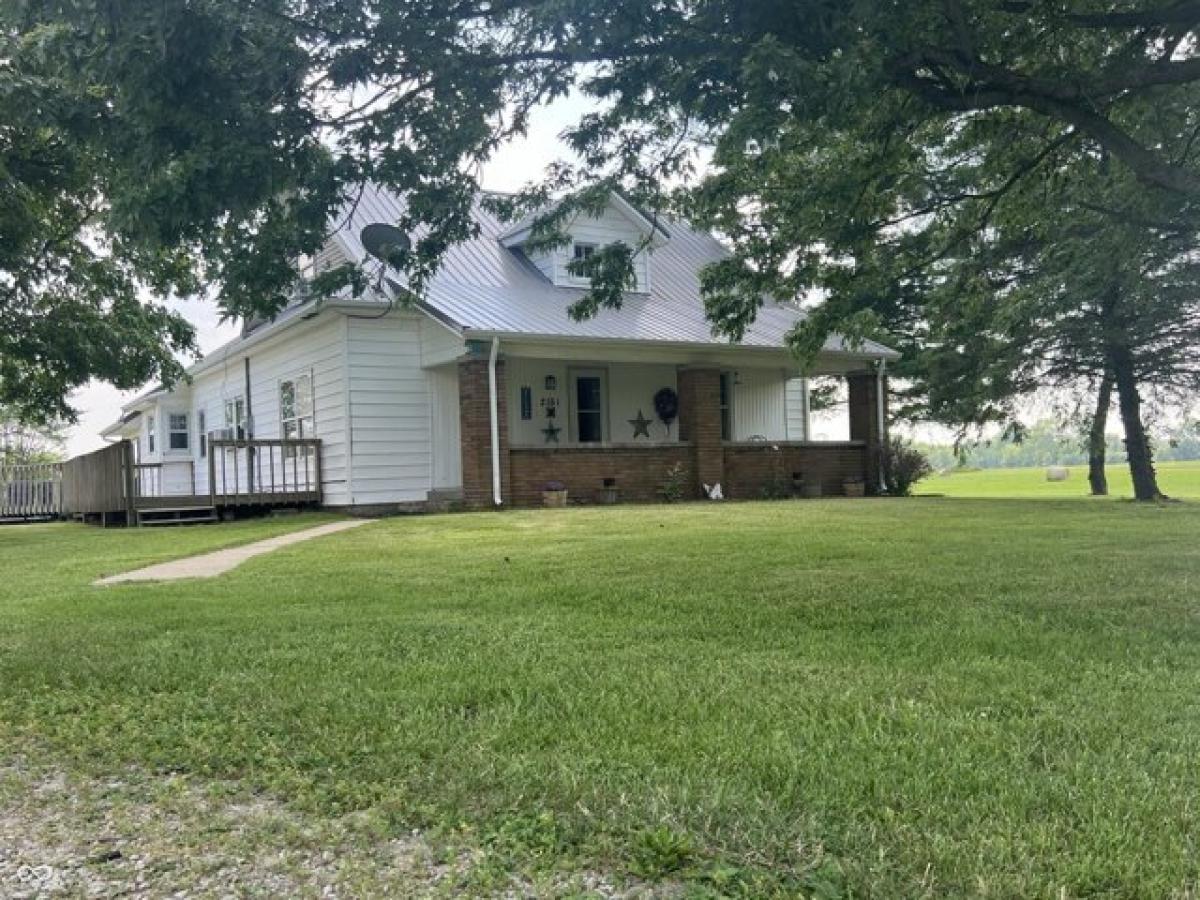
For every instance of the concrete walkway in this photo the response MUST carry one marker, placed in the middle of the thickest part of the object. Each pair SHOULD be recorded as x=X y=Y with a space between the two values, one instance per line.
x=210 y=565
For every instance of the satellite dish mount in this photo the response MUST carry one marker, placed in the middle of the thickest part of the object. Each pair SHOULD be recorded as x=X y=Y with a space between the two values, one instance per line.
x=387 y=243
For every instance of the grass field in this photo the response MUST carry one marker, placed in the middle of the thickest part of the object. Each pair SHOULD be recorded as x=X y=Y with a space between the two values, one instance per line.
x=1175 y=479
x=933 y=697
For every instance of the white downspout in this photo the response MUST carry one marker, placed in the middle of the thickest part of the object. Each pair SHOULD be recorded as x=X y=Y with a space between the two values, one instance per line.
x=806 y=406
x=881 y=413
x=494 y=409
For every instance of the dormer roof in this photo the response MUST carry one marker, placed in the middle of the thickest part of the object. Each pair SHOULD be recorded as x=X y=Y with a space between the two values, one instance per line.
x=517 y=234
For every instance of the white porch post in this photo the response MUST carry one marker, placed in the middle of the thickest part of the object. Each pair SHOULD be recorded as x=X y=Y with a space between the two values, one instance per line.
x=806 y=408
x=494 y=410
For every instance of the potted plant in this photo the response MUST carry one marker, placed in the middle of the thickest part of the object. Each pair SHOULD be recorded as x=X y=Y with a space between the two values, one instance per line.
x=854 y=486
x=608 y=491
x=554 y=494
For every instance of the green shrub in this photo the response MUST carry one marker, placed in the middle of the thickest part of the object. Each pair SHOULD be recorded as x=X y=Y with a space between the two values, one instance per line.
x=674 y=485
x=903 y=466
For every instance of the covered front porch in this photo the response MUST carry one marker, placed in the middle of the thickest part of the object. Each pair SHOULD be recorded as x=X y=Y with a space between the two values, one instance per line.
x=617 y=423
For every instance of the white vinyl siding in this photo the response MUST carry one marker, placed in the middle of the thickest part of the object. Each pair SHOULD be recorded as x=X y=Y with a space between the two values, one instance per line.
x=390 y=418
x=439 y=344
x=317 y=349
x=444 y=427
x=759 y=405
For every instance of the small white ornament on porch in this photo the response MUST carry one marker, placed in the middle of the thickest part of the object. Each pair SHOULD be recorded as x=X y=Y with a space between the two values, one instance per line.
x=714 y=492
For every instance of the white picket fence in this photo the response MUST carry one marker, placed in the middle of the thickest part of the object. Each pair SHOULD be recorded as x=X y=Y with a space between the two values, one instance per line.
x=31 y=491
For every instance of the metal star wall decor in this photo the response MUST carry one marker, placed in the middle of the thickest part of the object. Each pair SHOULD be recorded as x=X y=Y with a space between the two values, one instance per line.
x=641 y=426
x=551 y=432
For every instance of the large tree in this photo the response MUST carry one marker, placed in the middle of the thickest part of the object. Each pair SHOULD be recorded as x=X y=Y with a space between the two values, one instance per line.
x=855 y=146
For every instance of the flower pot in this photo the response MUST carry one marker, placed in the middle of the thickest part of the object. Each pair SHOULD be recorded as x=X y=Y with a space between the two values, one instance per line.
x=854 y=488
x=554 y=499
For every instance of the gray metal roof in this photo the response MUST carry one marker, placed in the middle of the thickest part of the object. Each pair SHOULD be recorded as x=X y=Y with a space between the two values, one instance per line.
x=485 y=288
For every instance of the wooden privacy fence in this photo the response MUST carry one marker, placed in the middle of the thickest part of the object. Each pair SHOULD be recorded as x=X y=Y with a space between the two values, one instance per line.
x=99 y=483
x=31 y=490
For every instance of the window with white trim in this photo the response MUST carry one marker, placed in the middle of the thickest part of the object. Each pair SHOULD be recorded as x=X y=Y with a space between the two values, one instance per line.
x=589 y=406
x=178 y=435
x=235 y=417
x=151 y=427
x=296 y=407
x=581 y=252
x=202 y=432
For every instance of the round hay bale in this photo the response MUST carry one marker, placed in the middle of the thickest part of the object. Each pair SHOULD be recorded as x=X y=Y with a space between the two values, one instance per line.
x=1058 y=473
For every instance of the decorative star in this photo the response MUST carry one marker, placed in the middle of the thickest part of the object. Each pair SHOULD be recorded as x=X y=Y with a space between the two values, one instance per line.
x=551 y=432
x=641 y=426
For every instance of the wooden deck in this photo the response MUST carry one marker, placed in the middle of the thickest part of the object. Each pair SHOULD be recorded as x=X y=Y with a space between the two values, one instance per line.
x=109 y=486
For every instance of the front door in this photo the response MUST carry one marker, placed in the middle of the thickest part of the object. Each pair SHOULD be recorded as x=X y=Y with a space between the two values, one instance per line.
x=589 y=417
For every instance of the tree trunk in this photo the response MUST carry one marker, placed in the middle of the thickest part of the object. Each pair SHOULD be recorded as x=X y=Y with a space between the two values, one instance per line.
x=1137 y=444
x=1098 y=439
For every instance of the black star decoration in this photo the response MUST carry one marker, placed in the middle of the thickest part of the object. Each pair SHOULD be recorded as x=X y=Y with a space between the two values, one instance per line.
x=641 y=426
x=551 y=432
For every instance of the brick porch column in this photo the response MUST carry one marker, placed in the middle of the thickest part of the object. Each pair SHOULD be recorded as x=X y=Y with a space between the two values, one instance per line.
x=475 y=429
x=700 y=422
x=864 y=421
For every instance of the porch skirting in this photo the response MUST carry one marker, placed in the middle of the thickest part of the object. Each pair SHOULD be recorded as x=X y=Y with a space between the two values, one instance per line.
x=638 y=472
x=755 y=469
x=751 y=470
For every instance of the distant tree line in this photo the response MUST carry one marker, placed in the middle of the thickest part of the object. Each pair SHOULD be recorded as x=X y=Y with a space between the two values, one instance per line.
x=1049 y=443
x=21 y=443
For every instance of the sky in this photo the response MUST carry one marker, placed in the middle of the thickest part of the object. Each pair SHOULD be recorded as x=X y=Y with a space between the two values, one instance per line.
x=521 y=161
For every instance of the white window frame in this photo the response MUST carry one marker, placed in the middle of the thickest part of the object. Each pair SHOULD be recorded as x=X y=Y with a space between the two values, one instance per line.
x=573 y=376
x=172 y=431
x=151 y=427
x=302 y=420
x=202 y=432
x=235 y=416
x=576 y=246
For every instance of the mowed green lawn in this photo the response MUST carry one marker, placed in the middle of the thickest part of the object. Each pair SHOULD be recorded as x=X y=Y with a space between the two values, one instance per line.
x=1175 y=479
x=885 y=698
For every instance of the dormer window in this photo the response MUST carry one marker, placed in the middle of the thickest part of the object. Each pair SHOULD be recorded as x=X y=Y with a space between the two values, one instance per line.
x=618 y=222
x=581 y=252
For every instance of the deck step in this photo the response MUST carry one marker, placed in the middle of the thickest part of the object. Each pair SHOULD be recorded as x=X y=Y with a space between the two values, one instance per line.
x=176 y=515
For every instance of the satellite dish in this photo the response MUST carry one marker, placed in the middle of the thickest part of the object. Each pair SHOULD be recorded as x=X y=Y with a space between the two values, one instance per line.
x=385 y=242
